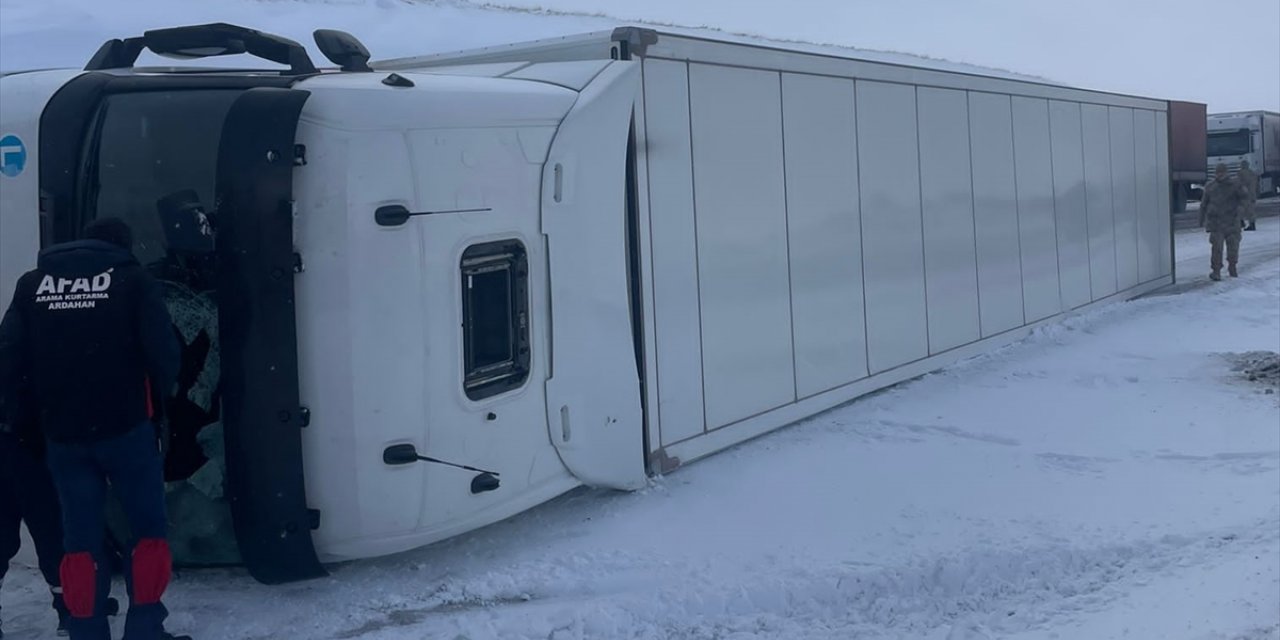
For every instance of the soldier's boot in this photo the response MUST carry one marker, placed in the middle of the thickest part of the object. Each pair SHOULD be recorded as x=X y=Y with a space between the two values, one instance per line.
x=1231 y=270
x=1215 y=275
x=64 y=615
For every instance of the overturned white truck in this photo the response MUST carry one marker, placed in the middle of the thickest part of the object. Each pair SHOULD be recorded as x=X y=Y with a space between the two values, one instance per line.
x=574 y=261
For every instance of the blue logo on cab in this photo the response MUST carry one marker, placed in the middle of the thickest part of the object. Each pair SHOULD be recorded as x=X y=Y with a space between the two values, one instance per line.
x=13 y=156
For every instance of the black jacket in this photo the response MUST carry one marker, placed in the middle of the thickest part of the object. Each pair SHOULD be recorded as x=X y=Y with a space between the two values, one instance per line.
x=89 y=335
x=18 y=418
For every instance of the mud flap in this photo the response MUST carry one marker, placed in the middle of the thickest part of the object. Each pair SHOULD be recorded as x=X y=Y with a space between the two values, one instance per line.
x=262 y=415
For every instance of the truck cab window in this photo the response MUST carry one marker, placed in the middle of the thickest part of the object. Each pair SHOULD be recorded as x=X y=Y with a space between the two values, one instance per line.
x=495 y=318
x=147 y=146
x=1231 y=143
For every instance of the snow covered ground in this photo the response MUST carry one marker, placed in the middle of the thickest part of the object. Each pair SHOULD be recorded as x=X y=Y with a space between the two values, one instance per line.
x=1108 y=477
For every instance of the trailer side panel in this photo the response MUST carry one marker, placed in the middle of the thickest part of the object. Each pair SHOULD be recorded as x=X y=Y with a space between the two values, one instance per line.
x=951 y=255
x=674 y=250
x=1124 y=191
x=1069 y=204
x=1102 y=222
x=1038 y=233
x=893 y=248
x=995 y=211
x=824 y=232
x=743 y=272
x=1165 y=214
x=1148 y=204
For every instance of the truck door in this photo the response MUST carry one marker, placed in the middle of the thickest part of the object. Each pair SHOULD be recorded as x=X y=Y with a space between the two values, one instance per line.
x=163 y=153
x=593 y=395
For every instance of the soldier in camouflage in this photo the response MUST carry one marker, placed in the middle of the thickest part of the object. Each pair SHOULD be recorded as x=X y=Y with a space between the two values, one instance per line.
x=1249 y=180
x=1221 y=213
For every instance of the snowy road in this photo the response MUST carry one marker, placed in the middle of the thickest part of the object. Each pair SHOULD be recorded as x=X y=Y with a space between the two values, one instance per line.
x=1109 y=477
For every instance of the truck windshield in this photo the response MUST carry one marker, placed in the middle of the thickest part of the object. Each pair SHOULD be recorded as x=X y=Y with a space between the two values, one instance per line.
x=1229 y=143
x=145 y=149
x=149 y=145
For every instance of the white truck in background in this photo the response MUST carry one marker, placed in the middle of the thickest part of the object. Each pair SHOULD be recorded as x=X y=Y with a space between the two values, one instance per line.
x=1247 y=135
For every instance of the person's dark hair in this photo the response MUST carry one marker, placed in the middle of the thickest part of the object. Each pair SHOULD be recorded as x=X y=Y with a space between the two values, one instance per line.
x=112 y=230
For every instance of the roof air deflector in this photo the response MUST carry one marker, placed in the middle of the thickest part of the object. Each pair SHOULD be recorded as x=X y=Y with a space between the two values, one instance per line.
x=203 y=41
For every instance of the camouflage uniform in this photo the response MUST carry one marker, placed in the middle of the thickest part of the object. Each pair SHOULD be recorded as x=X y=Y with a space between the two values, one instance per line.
x=1249 y=181
x=1221 y=210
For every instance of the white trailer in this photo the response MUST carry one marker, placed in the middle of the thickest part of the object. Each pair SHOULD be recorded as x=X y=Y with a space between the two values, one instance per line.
x=576 y=261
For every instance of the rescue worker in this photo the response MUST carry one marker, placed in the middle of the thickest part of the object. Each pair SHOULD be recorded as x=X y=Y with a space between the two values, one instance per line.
x=1221 y=208
x=90 y=331
x=1249 y=181
x=27 y=493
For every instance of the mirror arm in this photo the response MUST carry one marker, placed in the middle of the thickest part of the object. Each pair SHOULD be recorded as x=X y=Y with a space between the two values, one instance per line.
x=400 y=454
x=394 y=215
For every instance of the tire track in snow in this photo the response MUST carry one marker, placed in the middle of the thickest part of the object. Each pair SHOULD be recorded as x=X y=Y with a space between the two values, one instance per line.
x=619 y=595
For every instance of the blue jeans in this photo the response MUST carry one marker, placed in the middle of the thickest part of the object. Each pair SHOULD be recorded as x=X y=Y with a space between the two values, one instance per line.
x=133 y=466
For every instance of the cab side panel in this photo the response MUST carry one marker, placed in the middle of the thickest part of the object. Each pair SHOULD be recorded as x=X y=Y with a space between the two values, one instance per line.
x=381 y=316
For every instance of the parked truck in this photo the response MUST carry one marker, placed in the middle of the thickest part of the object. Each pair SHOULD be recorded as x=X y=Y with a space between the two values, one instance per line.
x=1247 y=135
x=1188 y=163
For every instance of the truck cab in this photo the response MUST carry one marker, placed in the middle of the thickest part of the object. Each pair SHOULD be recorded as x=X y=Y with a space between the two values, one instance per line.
x=403 y=297
x=1252 y=136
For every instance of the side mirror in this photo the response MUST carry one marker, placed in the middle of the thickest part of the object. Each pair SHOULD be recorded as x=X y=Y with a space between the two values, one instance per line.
x=391 y=215
x=484 y=482
x=400 y=454
x=342 y=49
x=187 y=227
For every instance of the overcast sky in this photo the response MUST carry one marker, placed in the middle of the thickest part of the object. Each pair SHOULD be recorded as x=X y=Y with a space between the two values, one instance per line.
x=1225 y=54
